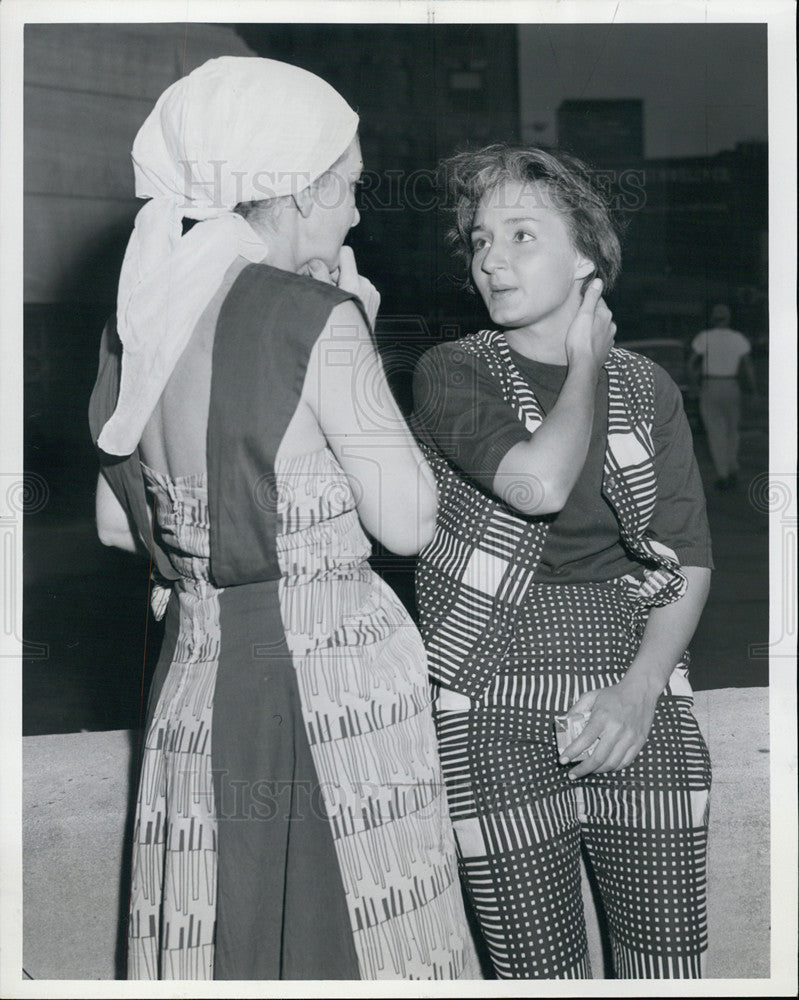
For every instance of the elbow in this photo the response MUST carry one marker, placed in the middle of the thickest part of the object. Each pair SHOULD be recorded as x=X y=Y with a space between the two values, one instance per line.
x=534 y=496
x=427 y=528
x=106 y=536
x=419 y=534
x=698 y=579
x=115 y=539
x=417 y=531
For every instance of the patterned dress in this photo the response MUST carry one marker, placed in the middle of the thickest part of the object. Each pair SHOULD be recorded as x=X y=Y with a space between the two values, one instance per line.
x=366 y=704
x=292 y=819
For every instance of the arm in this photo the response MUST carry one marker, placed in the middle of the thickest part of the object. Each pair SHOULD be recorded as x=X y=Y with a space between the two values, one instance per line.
x=537 y=476
x=347 y=391
x=621 y=715
x=113 y=524
x=748 y=370
x=695 y=368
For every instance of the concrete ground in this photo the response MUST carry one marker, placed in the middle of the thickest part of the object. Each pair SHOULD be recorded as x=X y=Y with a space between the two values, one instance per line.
x=77 y=816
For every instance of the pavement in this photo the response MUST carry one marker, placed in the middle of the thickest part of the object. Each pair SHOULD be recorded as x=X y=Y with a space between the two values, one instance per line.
x=77 y=808
x=729 y=648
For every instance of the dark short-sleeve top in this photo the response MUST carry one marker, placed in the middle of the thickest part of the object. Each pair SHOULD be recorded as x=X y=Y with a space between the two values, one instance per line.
x=459 y=411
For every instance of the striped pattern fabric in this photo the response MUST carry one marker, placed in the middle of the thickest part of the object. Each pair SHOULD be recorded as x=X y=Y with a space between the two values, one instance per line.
x=366 y=698
x=366 y=701
x=510 y=654
x=173 y=889
x=520 y=821
x=479 y=567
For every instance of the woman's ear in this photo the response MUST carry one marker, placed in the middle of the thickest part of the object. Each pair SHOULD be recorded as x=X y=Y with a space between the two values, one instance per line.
x=584 y=268
x=304 y=201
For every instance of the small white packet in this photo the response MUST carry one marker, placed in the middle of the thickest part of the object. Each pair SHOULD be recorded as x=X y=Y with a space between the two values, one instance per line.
x=568 y=728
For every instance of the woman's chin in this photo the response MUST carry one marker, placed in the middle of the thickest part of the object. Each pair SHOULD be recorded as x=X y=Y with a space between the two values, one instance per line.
x=505 y=317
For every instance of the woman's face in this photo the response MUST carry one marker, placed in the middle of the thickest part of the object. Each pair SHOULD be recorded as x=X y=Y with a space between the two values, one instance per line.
x=333 y=210
x=524 y=263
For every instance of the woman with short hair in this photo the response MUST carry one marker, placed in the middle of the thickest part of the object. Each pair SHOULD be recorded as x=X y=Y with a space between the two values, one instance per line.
x=569 y=567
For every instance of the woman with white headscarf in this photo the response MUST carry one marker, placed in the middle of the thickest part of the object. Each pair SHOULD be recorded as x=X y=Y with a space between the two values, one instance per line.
x=290 y=820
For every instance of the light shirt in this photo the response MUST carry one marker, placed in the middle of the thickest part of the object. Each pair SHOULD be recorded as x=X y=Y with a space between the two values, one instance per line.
x=721 y=350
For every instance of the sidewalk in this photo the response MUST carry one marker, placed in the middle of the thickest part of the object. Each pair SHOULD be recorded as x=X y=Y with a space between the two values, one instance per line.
x=77 y=827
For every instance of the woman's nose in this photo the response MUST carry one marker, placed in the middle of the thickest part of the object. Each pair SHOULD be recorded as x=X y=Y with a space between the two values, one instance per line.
x=493 y=259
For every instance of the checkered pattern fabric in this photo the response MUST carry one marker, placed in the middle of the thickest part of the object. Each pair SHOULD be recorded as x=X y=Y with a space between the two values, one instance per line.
x=479 y=567
x=520 y=821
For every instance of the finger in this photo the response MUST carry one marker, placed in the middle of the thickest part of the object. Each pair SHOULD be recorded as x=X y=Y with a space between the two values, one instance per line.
x=628 y=758
x=584 y=703
x=592 y=295
x=348 y=270
x=318 y=269
x=613 y=759
x=603 y=309
x=584 y=741
x=597 y=758
x=587 y=766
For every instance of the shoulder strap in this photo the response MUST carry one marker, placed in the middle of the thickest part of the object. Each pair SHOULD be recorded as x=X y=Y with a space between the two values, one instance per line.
x=515 y=387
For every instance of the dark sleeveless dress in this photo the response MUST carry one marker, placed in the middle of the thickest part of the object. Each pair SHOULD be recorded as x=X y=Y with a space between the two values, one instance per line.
x=291 y=821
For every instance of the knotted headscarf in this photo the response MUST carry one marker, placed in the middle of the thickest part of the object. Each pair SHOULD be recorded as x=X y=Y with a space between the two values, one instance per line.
x=236 y=129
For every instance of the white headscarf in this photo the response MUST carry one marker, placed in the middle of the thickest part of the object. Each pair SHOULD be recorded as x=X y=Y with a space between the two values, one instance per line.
x=236 y=129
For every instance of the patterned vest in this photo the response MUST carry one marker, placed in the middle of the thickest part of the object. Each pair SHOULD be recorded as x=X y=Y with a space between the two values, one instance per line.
x=479 y=567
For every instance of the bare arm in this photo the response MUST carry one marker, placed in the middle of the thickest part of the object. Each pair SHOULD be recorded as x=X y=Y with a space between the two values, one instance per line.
x=113 y=524
x=537 y=476
x=621 y=715
x=347 y=391
x=748 y=370
x=695 y=368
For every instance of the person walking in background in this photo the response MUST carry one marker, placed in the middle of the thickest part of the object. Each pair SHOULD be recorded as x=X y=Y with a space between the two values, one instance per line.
x=719 y=356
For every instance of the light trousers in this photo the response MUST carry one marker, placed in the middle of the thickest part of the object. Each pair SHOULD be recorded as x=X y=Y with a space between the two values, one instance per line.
x=720 y=408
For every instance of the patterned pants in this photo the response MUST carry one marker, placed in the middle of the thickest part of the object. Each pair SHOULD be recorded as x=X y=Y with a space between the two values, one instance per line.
x=520 y=821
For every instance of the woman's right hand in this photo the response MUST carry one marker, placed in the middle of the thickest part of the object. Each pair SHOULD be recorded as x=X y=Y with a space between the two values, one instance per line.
x=347 y=278
x=590 y=336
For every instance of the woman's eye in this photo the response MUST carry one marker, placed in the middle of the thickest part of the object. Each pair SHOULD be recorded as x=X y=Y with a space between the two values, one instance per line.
x=479 y=244
x=523 y=237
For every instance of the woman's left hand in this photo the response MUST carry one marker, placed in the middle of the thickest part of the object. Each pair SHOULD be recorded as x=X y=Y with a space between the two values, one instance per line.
x=621 y=717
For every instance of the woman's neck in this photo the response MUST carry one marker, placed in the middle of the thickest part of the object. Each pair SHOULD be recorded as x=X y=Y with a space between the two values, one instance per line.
x=545 y=340
x=279 y=238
